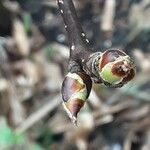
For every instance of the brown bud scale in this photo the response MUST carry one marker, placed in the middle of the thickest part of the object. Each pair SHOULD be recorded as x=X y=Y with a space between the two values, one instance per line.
x=70 y=86
x=74 y=106
x=110 y=56
x=76 y=88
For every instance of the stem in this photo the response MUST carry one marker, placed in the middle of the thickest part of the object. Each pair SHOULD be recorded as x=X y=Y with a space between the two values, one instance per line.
x=76 y=36
x=82 y=58
x=113 y=67
x=80 y=51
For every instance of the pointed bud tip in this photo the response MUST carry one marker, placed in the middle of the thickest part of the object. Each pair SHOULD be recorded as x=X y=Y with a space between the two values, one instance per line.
x=71 y=116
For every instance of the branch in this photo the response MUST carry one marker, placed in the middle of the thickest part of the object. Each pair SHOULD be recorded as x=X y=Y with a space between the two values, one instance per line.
x=113 y=68
x=79 y=44
x=76 y=36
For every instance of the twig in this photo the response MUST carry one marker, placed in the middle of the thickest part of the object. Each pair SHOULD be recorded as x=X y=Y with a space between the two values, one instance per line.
x=39 y=114
x=76 y=36
x=95 y=100
x=113 y=67
x=128 y=141
x=82 y=58
x=108 y=15
x=16 y=109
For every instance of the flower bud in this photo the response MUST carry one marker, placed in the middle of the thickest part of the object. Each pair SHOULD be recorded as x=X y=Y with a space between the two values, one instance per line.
x=75 y=90
x=115 y=68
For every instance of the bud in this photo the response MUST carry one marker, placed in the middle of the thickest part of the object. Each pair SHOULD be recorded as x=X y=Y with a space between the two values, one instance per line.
x=75 y=90
x=115 y=68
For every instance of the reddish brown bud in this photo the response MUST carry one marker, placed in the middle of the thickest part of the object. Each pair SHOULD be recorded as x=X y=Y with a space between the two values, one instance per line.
x=76 y=88
x=115 y=68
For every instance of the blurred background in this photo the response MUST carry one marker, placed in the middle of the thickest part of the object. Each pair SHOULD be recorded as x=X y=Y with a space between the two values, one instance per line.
x=33 y=62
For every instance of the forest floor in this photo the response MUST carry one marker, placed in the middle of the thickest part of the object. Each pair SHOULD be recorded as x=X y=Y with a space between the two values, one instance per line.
x=33 y=62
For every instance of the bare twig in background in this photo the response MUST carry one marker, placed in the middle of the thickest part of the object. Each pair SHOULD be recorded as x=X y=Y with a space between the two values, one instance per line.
x=21 y=38
x=108 y=15
x=128 y=141
x=16 y=112
x=41 y=113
